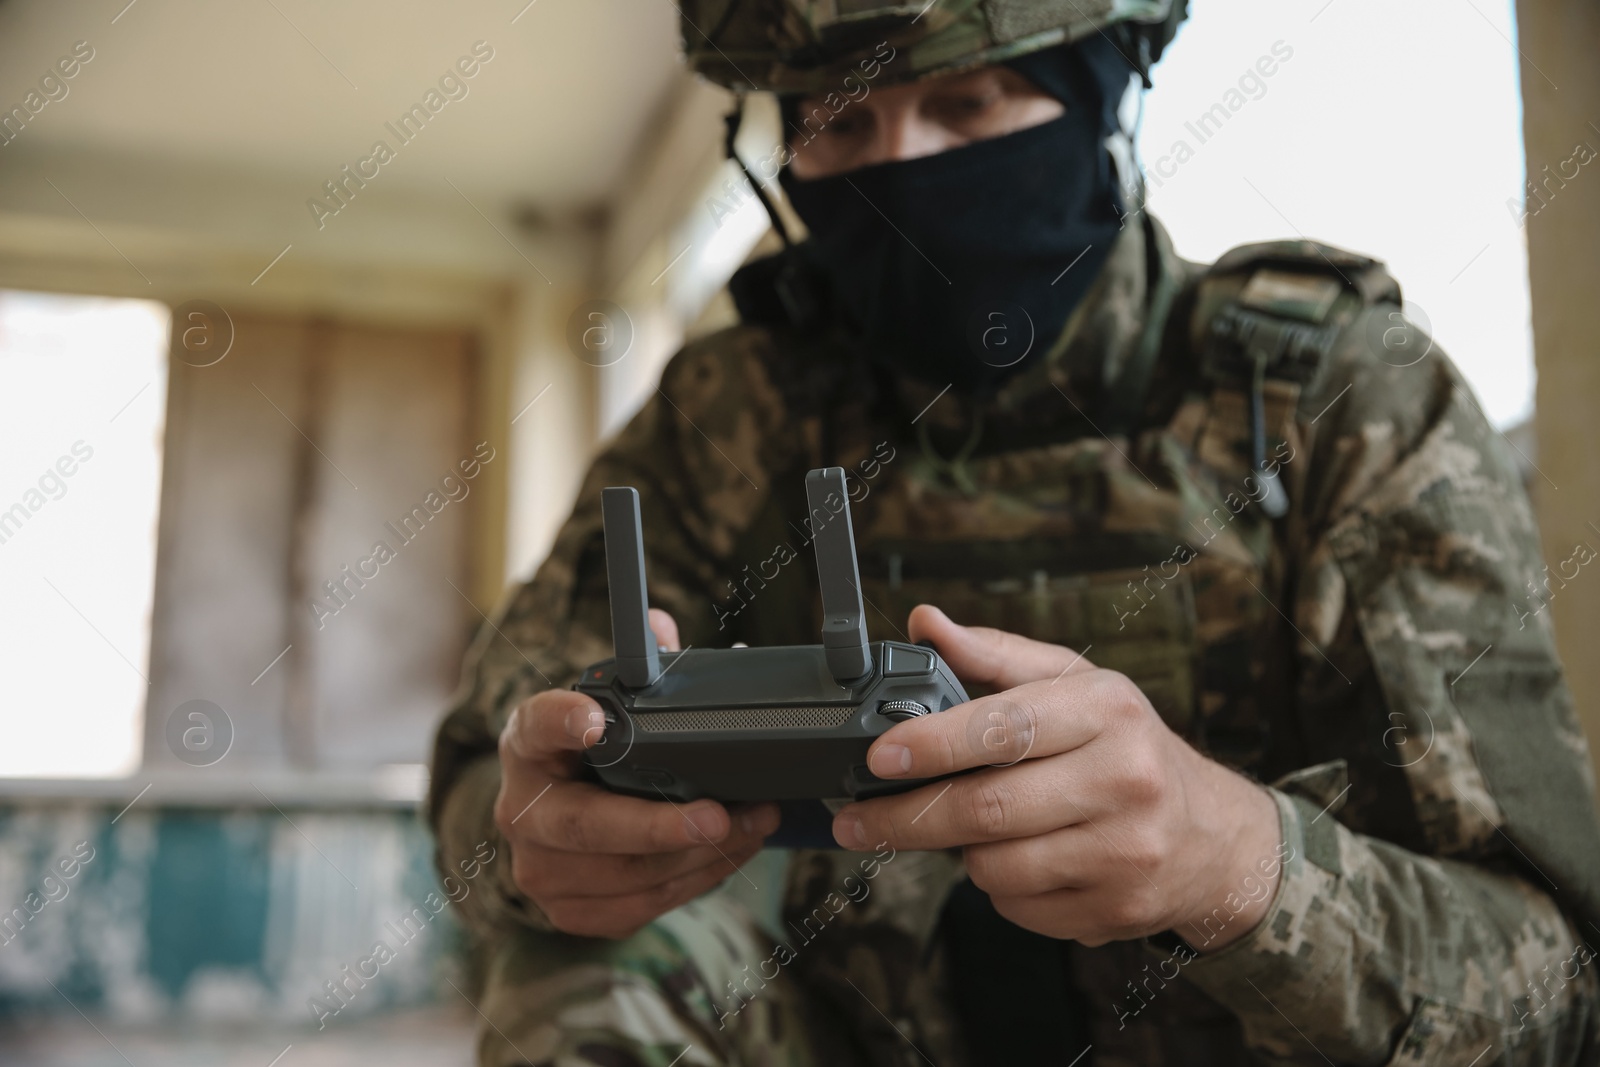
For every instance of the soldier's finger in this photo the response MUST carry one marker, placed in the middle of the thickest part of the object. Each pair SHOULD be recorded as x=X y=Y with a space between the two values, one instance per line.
x=1028 y=722
x=665 y=627
x=1090 y=853
x=1000 y=804
x=619 y=917
x=567 y=875
x=1092 y=917
x=991 y=657
x=582 y=817
x=551 y=873
x=556 y=720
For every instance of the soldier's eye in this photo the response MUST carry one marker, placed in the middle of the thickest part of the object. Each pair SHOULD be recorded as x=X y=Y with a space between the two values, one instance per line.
x=964 y=106
x=847 y=124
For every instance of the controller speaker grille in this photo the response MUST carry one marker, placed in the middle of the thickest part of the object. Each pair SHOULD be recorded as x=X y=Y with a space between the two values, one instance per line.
x=671 y=722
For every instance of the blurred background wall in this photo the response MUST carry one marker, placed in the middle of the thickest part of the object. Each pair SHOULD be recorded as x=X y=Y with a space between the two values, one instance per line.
x=1562 y=119
x=241 y=348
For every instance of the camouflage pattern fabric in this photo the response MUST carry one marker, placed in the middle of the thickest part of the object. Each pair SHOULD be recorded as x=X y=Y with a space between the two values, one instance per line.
x=1440 y=883
x=691 y=990
x=842 y=46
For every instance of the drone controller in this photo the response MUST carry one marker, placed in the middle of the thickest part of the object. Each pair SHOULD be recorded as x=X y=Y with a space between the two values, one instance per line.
x=790 y=724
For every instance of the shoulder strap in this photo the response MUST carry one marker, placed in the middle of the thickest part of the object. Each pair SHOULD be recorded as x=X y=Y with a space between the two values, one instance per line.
x=1274 y=311
x=1282 y=304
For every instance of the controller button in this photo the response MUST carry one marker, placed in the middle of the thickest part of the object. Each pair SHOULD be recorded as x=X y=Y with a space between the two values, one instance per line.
x=653 y=776
x=901 y=710
x=898 y=660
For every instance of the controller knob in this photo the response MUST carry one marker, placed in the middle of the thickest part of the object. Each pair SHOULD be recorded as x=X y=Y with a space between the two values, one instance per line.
x=901 y=710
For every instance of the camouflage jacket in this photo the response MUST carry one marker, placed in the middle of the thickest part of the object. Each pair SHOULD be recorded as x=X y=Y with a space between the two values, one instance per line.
x=1366 y=651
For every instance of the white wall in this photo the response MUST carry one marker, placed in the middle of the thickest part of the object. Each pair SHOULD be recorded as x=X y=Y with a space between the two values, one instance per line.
x=1392 y=129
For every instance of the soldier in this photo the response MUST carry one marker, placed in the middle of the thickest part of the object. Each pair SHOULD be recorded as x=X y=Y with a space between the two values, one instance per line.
x=1189 y=529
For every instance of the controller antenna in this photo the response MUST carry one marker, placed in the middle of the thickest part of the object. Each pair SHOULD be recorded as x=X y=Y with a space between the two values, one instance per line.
x=638 y=660
x=844 y=624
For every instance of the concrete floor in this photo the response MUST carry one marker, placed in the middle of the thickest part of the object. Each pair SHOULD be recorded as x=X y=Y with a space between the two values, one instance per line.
x=430 y=1037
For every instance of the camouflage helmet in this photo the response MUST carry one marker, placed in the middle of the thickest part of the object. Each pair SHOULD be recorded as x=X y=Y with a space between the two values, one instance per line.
x=810 y=46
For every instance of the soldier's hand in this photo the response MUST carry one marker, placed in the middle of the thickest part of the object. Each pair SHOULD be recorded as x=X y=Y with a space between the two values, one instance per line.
x=599 y=864
x=1084 y=817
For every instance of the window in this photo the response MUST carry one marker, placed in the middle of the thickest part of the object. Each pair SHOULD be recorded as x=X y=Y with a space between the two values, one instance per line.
x=281 y=528
x=83 y=387
x=1354 y=139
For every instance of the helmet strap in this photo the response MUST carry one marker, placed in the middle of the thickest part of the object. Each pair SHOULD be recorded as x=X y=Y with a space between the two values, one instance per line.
x=786 y=276
x=732 y=121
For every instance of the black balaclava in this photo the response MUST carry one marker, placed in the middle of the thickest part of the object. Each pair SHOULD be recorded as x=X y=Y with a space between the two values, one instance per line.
x=961 y=268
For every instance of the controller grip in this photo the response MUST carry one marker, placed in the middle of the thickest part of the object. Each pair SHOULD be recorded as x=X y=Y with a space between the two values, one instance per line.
x=805 y=824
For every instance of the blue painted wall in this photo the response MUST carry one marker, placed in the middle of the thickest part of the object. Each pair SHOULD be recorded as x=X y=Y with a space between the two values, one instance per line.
x=210 y=914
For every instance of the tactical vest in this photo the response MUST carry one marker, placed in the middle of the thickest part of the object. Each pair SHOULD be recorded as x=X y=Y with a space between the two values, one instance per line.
x=1157 y=551
x=1151 y=552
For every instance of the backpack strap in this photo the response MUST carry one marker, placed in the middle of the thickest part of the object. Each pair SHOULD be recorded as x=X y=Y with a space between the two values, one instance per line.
x=1266 y=319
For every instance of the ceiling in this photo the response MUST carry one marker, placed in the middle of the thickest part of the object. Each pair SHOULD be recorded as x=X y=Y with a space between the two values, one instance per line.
x=292 y=90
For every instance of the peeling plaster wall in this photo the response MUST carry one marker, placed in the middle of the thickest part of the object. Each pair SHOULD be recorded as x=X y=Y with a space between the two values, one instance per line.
x=214 y=915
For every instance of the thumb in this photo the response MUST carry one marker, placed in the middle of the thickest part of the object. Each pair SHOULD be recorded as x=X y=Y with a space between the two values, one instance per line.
x=992 y=657
x=665 y=627
x=546 y=729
